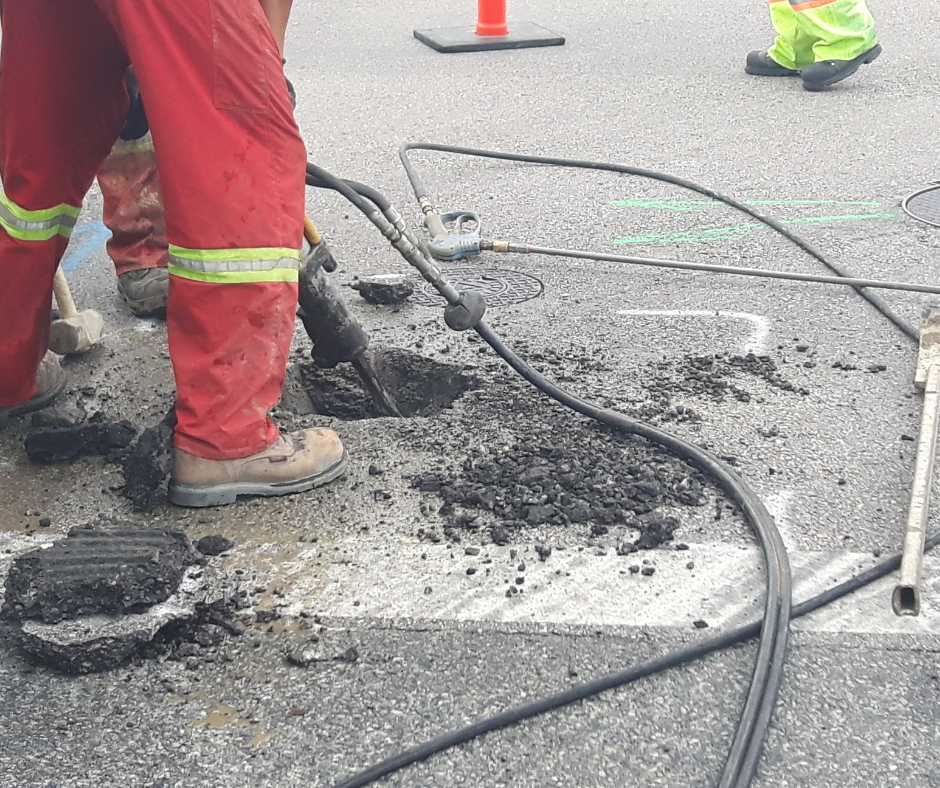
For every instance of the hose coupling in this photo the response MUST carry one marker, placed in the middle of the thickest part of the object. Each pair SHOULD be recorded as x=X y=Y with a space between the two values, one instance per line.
x=466 y=313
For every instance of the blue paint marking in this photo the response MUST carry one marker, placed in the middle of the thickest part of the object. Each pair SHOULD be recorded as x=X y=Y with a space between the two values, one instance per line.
x=94 y=236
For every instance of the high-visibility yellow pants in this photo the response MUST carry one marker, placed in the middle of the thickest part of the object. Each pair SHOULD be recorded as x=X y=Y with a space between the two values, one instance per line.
x=815 y=30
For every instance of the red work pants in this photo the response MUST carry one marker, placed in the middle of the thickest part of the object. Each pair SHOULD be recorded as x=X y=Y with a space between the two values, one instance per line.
x=133 y=206
x=231 y=165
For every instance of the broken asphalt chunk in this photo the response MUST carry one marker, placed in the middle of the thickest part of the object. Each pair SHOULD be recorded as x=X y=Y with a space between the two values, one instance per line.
x=56 y=444
x=98 y=569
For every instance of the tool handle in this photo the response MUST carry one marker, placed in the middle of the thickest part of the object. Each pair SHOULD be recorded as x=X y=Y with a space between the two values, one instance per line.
x=60 y=286
x=906 y=597
x=311 y=233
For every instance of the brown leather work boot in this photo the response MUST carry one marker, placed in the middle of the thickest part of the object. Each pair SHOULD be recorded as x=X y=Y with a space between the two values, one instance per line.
x=296 y=462
x=50 y=380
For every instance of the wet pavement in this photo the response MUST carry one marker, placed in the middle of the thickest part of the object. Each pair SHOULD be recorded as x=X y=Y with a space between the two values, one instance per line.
x=480 y=553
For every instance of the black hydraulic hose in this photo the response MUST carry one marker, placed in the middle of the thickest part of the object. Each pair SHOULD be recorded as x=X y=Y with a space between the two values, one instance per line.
x=622 y=678
x=746 y=747
x=421 y=191
x=315 y=180
x=742 y=762
x=423 y=197
x=768 y=671
x=768 y=668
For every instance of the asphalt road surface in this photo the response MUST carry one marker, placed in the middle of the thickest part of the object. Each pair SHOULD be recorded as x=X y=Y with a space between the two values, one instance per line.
x=372 y=563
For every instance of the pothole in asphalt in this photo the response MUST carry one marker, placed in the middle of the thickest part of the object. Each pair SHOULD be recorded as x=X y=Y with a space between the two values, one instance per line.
x=419 y=385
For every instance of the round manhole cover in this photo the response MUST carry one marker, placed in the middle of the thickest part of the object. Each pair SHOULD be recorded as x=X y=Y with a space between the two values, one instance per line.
x=924 y=205
x=498 y=287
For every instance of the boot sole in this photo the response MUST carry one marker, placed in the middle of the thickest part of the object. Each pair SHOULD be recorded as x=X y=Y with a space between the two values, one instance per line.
x=34 y=403
x=758 y=71
x=768 y=67
x=864 y=59
x=221 y=494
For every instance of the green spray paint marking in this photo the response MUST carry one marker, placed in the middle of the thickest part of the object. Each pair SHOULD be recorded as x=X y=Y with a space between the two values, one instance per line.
x=714 y=233
x=687 y=206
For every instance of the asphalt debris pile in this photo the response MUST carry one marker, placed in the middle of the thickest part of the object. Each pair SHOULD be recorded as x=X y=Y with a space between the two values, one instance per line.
x=575 y=364
x=147 y=464
x=113 y=590
x=65 y=433
x=419 y=385
x=717 y=377
x=561 y=471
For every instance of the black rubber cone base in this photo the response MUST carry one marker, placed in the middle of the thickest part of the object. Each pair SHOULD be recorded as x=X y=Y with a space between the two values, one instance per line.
x=464 y=39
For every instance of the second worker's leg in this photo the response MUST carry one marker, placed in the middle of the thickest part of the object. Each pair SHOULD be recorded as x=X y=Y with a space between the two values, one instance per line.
x=133 y=212
x=233 y=186
x=844 y=38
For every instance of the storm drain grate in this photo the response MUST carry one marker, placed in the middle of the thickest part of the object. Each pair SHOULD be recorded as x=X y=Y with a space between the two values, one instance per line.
x=498 y=287
x=924 y=205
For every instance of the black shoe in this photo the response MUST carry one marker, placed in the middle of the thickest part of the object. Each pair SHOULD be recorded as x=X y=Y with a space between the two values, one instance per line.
x=819 y=76
x=760 y=64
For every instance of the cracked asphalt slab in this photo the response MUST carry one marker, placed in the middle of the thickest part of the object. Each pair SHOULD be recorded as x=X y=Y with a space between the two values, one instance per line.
x=347 y=567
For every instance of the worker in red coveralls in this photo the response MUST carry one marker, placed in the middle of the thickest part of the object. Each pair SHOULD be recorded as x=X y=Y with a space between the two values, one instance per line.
x=231 y=166
x=133 y=205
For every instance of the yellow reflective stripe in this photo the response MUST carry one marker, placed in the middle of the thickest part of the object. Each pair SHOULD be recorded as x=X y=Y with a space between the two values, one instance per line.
x=37 y=225
x=226 y=261
x=236 y=277
x=41 y=215
x=142 y=145
x=35 y=235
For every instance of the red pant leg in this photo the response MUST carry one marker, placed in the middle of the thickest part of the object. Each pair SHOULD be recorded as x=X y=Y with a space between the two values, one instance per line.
x=133 y=206
x=231 y=166
x=62 y=103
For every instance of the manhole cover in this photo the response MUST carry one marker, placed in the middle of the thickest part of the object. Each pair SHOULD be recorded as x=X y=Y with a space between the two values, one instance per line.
x=498 y=287
x=924 y=205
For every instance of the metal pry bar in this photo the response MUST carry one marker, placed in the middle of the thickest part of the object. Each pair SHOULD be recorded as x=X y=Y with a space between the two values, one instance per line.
x=906 y=597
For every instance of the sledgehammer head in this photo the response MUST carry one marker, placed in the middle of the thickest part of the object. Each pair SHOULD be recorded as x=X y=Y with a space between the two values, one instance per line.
x=76 y=334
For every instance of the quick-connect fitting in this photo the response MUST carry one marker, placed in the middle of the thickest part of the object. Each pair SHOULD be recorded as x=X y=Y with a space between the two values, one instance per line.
x=464 y=310
x=455 y=247
x=445 y=245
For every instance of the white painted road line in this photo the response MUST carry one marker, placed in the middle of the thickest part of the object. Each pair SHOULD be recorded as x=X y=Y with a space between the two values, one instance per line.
x=760 y=325
x=720 y=584
x=723 y=587
x=778 y=504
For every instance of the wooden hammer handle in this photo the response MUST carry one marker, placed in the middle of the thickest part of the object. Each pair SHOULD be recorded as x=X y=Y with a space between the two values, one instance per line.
x=311 y=233
x=60 y=286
